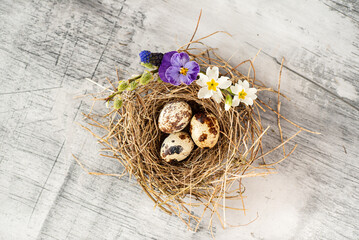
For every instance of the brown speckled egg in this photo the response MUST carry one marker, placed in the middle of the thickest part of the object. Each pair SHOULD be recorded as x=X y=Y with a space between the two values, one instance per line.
x=174 y=117
x=176 y=147
x=204 y=130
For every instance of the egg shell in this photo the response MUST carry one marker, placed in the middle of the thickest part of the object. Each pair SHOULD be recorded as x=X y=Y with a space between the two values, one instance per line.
x=174 y=117
x=204 y=129
x=177 y=146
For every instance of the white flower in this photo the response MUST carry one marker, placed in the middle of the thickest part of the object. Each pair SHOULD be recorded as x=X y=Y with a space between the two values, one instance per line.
x=243 y=93
x=212 y=85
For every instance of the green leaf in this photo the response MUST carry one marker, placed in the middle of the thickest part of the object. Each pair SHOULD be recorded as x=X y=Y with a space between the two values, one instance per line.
x=148 y=65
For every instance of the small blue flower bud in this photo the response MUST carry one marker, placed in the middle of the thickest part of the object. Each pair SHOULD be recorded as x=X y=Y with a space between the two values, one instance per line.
x=145 y=56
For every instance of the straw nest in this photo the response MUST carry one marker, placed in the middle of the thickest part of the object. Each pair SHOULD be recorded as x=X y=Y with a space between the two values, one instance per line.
x=208 y=178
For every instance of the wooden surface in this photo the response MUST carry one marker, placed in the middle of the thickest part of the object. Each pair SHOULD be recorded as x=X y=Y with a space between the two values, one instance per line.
x=48 y=48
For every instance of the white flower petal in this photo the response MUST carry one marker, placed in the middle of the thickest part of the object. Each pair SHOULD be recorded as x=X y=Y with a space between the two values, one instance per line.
x=239 y=83
x=235 y=101
x=204 y=93
x=245 y=85
x=236 y=88
x=217 y=96
x=224 y=82
x=203 y=79
x=248 y=101
x=253 y=96
x=212 y=73
x=251 y=91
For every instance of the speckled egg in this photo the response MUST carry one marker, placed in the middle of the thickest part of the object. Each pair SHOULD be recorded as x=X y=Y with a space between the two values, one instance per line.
x=177 y=146
x=204 y=129
x=174 y=117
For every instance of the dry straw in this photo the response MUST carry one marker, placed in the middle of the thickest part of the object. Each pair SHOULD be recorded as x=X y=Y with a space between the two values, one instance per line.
x=209 y=177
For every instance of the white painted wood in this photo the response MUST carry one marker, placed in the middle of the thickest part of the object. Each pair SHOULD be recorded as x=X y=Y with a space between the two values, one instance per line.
x=48 y=48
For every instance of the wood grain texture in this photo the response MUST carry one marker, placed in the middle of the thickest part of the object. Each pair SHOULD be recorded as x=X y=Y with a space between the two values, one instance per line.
x=48 y=48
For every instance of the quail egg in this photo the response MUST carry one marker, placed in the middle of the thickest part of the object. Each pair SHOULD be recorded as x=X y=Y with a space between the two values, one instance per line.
x=174 y=117
x=204 y=129
x=177 y=146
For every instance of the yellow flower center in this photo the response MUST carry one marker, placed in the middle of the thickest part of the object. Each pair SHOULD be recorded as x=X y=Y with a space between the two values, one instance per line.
x=212 y=85
x=184 y=71
x=242 y=94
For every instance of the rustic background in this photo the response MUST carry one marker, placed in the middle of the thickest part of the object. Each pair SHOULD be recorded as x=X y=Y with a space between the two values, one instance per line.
x=48 y=48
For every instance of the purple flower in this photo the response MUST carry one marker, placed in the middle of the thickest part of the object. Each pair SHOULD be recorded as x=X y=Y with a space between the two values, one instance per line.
x=176 y=68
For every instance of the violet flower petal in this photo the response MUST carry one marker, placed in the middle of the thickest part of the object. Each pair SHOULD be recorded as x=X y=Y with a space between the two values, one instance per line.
x=165 y=64
x=185 y=79
x=179 y=59
x=193 y=70
x=173 y=75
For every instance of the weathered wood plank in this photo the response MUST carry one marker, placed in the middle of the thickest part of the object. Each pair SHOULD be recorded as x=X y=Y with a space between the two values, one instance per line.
x=48 y=48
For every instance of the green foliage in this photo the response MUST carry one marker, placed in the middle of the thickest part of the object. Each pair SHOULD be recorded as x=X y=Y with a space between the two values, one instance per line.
x=123 y=85
x=133 y=85
x=146 y=78
x=118 y=102
x=148 y=65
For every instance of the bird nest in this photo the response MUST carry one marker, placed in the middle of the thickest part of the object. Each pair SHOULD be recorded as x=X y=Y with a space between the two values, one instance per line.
x=208 y=178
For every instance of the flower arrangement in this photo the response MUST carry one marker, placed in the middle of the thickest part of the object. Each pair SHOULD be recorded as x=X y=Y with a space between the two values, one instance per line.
x=189 y=130
x=176 y=68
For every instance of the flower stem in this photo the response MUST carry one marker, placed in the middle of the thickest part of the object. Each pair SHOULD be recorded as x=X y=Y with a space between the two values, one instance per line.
x=109 y=98
x=227 y=91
